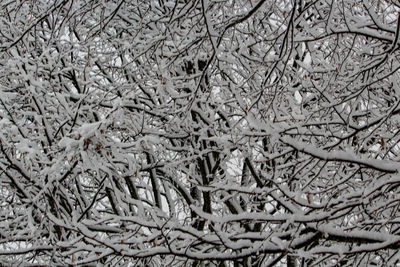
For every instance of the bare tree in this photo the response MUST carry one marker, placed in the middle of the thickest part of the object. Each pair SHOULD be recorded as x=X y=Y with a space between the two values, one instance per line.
x=199 y=133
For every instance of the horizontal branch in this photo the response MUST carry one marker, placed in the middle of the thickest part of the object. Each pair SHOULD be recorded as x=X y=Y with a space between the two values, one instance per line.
x=341 y=156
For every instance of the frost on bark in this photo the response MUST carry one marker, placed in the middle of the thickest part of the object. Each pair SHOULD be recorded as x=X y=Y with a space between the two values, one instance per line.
x=199 y=133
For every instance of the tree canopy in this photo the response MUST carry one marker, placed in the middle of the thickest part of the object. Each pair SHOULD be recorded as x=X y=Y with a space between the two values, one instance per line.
x=199 y=132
